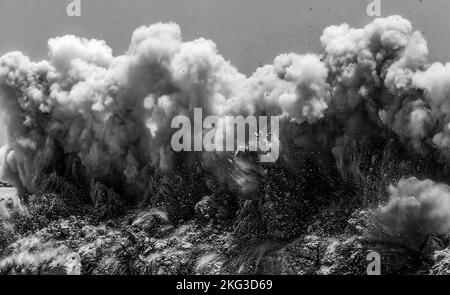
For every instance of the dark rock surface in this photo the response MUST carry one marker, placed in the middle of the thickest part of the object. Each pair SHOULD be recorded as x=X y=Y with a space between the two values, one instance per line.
x=278 y=229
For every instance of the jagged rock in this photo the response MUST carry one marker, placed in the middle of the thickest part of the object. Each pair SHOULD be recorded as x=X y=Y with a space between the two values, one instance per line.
x=359 y=222
x=177 y=192
x=43 y=209
x=431 y=245
x=249 y=227
x=441 y=260
x=343 y=256
x=204 y=208
x=107 y=202
x=218 y=207
x=122 y=249
x=7 y=235
x=152 y=221
x=31 y=256
x=70 y=238
x=302 y=257
x=209 y=264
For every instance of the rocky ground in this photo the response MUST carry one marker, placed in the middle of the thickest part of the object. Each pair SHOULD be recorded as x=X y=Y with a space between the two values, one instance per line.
x=142 y=241
x=292 y=223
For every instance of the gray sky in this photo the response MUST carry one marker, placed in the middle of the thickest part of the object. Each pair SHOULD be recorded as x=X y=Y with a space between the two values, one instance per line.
x=247 y=32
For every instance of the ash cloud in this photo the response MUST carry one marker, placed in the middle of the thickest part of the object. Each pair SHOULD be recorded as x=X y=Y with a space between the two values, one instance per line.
x=113 y=113
x=108 y=117
x=415 y=210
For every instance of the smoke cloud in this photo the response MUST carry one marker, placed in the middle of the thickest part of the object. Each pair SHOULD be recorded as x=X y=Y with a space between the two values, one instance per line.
x=415 y=210
x=107 y=117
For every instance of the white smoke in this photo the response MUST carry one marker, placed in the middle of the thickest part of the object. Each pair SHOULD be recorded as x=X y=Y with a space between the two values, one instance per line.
x=113 y=113
x=415 y=210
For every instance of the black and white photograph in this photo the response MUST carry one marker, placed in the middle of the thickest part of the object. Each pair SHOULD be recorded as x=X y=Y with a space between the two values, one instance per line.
x=245 y=140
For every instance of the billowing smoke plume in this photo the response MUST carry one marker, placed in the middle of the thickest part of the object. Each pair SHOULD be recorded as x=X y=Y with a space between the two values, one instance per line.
x=415 y=210
x=106 y=117
x=111 y=116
